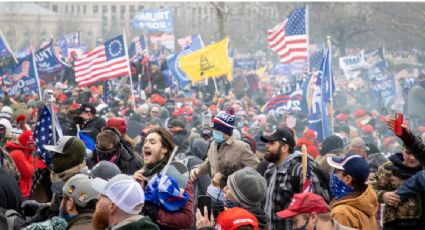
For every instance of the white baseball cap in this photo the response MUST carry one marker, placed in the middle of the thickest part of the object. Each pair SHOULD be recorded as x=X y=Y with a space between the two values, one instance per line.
x=123 y=191
x=59 y=148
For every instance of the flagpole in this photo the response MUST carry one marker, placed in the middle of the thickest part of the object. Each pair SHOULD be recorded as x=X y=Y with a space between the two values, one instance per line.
x=8 y=47
x=129 y=70
x=36 y=77
x=328 y=38
x=308 y=38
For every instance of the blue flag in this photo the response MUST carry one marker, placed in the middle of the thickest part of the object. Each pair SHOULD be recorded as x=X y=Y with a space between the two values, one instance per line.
x=178 y=74
x=138 y=48
x=88 y=142
x=43 y=134
x=23 y=79
x=318 y=96
x=5 y=50
x=47 y=61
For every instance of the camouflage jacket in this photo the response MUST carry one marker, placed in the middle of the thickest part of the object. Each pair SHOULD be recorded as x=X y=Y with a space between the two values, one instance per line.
x=389 y=177
x=7 y=163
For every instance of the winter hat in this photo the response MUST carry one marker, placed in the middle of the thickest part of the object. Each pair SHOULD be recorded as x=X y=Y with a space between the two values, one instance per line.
x=6 y=112
x=342 y=117
x=331 y=143
x=68 y=153
x=311 y=134
x=118 y=123
x=368 y=129
x=8 y=127
x=360 y=113
x=247 y=186
x=224 y=122
x=26 y=138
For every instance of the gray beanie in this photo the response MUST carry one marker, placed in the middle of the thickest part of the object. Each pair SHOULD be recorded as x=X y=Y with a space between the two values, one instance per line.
x=247 y=186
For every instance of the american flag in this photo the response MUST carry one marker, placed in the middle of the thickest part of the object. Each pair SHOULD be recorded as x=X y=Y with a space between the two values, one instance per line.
x=138 y=48
x=104 y=62
x=289 y=38
x=185 y=42
x=106 y=92
x=316 y=59
x=43 y=134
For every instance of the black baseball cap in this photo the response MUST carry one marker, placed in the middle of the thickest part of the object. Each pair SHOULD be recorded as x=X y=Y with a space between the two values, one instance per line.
x=280 y=134
x=87 y=108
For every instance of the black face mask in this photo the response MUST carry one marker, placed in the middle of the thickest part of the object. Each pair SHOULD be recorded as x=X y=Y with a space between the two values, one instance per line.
x=105 y=153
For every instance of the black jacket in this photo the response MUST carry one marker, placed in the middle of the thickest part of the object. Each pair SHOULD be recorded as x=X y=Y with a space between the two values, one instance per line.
x=127 y=160
x=92 y=127
x=181 y=139
x=10 y=194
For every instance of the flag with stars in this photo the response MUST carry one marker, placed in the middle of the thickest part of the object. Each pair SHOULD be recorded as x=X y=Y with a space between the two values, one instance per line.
x=43 y=134
x=107 y=61
x=106 y=92
x=289 y=38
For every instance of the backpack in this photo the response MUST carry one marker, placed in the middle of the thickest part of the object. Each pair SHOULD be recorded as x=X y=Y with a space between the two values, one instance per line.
x=11 y=220
x=321 y=175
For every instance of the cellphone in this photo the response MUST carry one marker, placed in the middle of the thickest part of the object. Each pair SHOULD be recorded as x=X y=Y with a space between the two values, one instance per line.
x=205 y=201
x=397 y=124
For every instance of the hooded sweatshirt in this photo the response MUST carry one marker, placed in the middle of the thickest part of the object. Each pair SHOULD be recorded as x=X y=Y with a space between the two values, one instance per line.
x=357 y=210
x=24 y=160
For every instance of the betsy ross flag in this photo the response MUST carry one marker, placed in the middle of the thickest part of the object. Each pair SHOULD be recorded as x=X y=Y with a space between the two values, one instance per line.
x=107 y=61
x=43 y=134
x=289 y=38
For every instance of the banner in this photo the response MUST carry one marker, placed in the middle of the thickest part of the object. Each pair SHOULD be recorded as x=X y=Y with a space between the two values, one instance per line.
x=24 y=78
x=5 y=50
x=22 y=52
x=210 y=61
x=247 y=64
x=386 y=86
x=165 y=40
x=352 y=65
x=154 y=20
x=46 y=60
x=288 y=102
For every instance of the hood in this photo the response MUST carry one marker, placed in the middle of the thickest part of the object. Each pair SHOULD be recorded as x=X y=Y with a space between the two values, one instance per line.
x=303 y=141
x=199 y=148
x=400 y=168
x=366 y=202
x=15 y=146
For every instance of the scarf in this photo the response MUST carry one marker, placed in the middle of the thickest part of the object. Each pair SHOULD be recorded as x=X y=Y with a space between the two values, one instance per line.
x=338 y=187
x=65 y=175
x=151 y=169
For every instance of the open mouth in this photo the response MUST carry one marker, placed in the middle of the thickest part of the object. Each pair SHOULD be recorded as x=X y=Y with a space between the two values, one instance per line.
x=147 y=152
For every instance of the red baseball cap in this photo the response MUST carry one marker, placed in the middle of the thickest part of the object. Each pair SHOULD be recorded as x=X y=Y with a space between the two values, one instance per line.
x=304 y=203
x=232 y=219
x=310 y=134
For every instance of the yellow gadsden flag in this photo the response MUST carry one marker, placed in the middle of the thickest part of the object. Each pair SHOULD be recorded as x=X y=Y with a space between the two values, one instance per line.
x=210 y=61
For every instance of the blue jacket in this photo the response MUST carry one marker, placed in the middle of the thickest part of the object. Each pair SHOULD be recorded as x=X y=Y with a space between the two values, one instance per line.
x=414 y=186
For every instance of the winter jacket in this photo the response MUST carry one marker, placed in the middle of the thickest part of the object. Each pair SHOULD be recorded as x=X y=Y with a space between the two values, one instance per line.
x=24 y=160
x=357 y=210
x=181 y=139
x=417 y=147
x=8 y=164
x=91 y=127
x=262 y=217
x=231 y=152
x=283 y=181
x=135 y=223
x=389 y=177
x=81 y=222
x=10 y=195
x=127 y=161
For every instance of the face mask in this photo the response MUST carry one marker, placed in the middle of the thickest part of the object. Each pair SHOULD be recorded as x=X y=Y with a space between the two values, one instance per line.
x=218 y=137
x=66 y=216
x=338 y=187
x=230 y=204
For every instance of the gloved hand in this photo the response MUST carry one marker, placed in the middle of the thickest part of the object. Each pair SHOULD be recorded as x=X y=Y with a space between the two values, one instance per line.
x=78 y=120
x=151 y=210
x=30 y=207
x=42 y=214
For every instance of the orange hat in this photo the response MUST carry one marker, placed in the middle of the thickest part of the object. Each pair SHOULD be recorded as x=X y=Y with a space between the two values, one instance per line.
x=232 y=219
x=368 y=129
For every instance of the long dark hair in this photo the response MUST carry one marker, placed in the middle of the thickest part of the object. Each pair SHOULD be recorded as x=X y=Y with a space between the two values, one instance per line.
x=166 y=138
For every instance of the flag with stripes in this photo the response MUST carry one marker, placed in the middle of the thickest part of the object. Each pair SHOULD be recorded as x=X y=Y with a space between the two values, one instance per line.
x=289 y=38
x=137 y=48
x=106 y=61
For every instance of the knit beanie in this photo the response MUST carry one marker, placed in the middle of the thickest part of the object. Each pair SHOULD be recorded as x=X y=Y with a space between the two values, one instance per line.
x=247 y=186
x=73 y=154
x=224 y=122
x=331 y=143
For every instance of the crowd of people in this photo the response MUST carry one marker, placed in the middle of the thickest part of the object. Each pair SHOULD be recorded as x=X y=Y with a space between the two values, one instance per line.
x=161 y=154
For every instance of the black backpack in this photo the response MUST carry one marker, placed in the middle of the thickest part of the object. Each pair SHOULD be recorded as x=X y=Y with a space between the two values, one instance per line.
x=11 y=220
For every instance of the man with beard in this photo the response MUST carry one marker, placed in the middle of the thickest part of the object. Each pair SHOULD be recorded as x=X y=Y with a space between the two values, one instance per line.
x=120 y=203
x=284 y=175
x=78 y=202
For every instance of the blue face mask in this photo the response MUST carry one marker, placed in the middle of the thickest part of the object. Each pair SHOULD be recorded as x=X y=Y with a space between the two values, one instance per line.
x=64 y=216
x=338 y=187
x=218 y=137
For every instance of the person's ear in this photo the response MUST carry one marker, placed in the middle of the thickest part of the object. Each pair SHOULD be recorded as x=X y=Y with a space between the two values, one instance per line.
x=347 y=179
x=284 y=149
x=112 y=208
x=314 y=218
